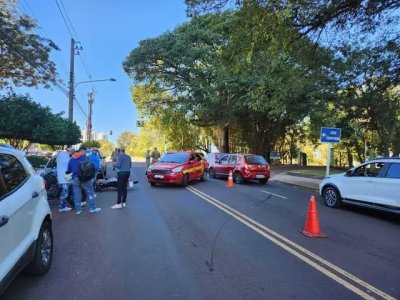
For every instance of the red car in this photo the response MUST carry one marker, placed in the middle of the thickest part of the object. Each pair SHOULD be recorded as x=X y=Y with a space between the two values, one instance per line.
x=243 y=166
x=177 y=168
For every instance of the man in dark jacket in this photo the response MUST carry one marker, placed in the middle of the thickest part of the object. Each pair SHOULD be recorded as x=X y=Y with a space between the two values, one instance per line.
x=77 y=185
x=123 y=166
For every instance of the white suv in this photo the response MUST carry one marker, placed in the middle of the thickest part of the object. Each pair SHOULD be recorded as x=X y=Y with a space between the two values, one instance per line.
x=26 y=239
x=374 y=184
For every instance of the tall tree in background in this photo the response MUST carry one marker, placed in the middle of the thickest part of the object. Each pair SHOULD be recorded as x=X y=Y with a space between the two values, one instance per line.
x=24 y=59
x=125 y=138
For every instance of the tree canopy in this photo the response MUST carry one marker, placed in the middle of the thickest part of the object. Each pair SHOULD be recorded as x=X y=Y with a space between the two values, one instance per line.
x=24 y=59
x=25 y=120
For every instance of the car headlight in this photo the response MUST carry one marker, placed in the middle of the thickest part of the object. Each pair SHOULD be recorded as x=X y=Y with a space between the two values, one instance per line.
x=177 y=169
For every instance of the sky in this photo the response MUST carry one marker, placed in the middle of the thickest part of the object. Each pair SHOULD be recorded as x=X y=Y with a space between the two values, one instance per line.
x=108 y=31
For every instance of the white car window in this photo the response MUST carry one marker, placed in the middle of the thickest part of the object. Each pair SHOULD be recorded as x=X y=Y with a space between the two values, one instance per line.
x=369 y=170
x=393 y=171
x=12 y=171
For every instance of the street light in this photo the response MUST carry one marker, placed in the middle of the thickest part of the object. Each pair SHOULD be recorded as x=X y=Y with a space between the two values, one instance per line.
x=72 y=95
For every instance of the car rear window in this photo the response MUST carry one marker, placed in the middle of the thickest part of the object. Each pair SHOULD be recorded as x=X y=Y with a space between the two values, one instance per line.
x=255 y=160
x=174 y=157
x=394 y=171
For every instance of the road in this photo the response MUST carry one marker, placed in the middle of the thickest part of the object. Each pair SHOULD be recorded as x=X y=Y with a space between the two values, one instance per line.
x=210 y=242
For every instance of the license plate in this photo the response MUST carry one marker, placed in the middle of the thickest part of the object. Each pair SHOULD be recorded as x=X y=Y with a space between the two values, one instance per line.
x=159 y=176
x=260 y=176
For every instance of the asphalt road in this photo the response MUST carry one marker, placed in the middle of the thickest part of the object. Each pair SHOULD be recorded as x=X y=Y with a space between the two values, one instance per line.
x=210 y=242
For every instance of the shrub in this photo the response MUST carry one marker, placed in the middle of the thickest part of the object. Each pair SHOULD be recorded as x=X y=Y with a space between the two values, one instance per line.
x=37 y=161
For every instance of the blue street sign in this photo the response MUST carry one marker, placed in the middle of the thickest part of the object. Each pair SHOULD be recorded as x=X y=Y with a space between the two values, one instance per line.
x=330 y=135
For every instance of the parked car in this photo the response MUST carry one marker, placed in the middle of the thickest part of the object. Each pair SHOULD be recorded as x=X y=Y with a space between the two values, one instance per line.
x=373 y=184
x=26 y=238
x=213 y=158
x=177 y=168
x=243 y=166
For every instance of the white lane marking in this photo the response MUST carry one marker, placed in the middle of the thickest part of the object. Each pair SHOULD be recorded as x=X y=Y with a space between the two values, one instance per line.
x=273 y=237
x=273 y=194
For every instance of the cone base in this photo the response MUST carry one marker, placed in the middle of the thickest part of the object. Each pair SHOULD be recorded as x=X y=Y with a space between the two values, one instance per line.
x=313 y=235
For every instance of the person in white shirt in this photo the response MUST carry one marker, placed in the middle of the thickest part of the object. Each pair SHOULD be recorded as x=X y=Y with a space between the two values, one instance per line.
x=62 y=164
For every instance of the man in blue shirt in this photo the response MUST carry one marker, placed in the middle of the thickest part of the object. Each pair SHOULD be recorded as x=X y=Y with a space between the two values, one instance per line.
x=77 y=185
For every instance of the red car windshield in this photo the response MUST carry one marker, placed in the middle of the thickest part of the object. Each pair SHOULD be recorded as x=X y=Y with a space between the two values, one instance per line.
x=174 y=158
x=255 y=160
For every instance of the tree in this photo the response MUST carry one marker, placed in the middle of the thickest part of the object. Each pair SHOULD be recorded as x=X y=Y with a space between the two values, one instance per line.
x=25 y=120
x=106 y=147
x=213 y=81
x=125 y=138
x=24 y=59
x=91 y=144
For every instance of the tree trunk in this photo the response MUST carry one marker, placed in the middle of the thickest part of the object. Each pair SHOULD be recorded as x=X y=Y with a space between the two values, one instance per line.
x=225 y=139
x=349 y=157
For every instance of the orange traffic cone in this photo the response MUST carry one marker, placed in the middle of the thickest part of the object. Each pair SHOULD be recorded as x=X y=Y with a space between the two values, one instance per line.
x=230 y=180
x=312 y=228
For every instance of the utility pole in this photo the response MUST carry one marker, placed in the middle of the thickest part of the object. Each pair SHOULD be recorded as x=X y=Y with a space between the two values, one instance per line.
x=89 y=120
x=71 y=83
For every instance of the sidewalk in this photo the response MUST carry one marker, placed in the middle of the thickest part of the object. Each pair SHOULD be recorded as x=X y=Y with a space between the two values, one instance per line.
x=297 y=180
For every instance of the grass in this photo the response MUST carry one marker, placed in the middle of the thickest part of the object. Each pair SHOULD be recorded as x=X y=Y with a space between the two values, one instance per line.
x=319 y=171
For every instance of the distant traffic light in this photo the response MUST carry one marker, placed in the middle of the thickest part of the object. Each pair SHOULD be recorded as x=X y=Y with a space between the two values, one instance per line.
x=140 y=123
x=110 y=132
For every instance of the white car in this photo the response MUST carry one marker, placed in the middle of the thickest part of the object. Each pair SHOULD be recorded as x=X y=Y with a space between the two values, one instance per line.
x=26 y=239
x=373 y=184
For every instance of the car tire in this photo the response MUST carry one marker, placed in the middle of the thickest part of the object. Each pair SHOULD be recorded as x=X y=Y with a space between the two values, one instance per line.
x=185 y=180
x=203 y=176
x=263 y=181
x=43 y=255
x=331 y=197
x=211 y=173
x=237 y=178
x=152 y=184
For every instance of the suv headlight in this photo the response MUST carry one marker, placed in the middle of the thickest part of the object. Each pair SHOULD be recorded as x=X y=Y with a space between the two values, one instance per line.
x=177 y=169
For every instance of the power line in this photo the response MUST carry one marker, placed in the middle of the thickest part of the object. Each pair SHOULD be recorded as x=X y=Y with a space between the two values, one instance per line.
x=65 y=21
x=73 y=33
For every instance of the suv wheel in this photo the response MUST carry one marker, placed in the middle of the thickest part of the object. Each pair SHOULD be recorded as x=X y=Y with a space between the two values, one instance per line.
x=331 y=197
x=43 y=256
x=263 y=181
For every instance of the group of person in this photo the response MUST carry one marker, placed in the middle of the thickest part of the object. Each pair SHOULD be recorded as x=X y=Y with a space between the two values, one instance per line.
x=69 y=174
x=152 y=157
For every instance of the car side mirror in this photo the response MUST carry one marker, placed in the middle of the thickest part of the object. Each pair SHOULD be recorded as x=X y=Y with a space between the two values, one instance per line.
x=349 y=172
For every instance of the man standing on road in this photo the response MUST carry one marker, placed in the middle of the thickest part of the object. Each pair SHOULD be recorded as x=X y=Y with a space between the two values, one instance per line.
x=148 y=156
x=62 y=165
x=79 y=182
x=123 y=166
x=155 y=155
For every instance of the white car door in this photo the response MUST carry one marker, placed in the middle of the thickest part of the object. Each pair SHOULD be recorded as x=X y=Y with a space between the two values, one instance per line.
x=21 y=189
x=388 y=187
x=6 y=235
x=361 y=185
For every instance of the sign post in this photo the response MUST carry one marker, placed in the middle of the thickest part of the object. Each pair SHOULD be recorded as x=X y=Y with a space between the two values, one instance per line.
x=330 y=135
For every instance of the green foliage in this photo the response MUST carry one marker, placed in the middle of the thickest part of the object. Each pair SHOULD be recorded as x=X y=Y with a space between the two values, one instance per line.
x=24 y=59
x=91 y=144
x=25 y=120
x=106 y=147
x=37 y=161
x=125 y=138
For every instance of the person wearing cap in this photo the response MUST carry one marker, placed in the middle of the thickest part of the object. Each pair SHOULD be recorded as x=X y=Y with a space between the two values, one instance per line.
x=62 y=165
x=77 y=185
x=123 y=166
